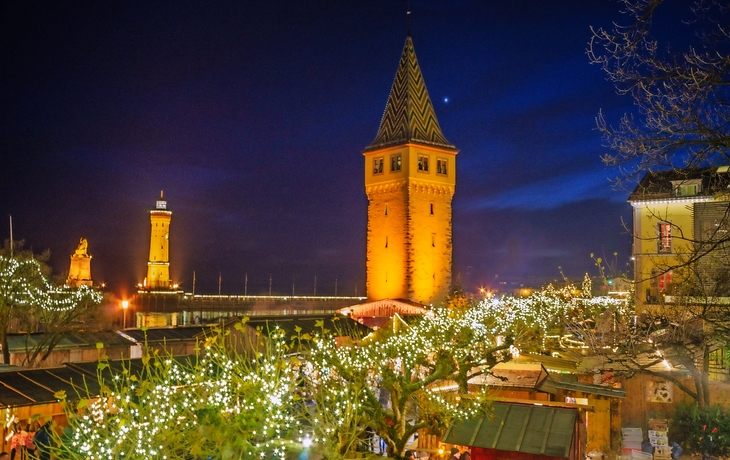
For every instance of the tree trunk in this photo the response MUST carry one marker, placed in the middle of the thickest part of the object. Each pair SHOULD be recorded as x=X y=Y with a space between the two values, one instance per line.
x=6 y=350
x=705 y=376
x=697 y=377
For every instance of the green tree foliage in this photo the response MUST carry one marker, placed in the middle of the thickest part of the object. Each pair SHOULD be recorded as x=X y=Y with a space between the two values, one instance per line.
x=423 y=373
x=220 y=404
x=696 y=429
x=275 y=394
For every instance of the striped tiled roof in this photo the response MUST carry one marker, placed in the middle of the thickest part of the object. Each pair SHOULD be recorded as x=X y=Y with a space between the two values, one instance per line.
x=409 y=116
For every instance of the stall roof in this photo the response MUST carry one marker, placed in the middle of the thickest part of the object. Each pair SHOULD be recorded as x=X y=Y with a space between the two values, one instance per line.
x=601 y=390
x=526 y=428
x=17 y=342
x=54 y=383
x=304 y=324
x=12 y=397
x=78 y=380
x=165 y=334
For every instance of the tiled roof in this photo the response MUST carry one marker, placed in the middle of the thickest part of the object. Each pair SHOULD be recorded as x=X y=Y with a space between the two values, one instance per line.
x=661 y=185
x=409 y=116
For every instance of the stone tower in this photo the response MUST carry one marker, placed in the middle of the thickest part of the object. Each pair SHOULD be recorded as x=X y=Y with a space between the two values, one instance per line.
x=410 y=175
x=158 y=267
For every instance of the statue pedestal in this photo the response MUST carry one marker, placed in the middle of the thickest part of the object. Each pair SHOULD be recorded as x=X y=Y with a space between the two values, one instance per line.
x=80 y=271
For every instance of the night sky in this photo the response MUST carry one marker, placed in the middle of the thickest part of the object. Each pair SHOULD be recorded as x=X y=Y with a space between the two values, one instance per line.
x=252 y=116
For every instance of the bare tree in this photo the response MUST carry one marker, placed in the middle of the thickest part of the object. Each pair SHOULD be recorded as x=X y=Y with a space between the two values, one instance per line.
x=678 y=76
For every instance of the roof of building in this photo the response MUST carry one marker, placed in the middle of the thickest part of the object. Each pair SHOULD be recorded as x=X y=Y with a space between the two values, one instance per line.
x=551 y=364
x=526 y=428
x=39 y=386
x=601 y=390
x=88 y=339
x=663 y=185
x=305 y=324
x=409 y=116
x=310 y=324
x=385 y=308
x=517 y=375
x=78 y=380
x=165 y=334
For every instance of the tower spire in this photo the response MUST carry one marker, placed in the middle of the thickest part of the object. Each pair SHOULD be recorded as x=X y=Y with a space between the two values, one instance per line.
x=409 y=116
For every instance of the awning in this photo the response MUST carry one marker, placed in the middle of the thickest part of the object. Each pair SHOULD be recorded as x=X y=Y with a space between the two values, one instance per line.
x=525 y=428
x=385 y=308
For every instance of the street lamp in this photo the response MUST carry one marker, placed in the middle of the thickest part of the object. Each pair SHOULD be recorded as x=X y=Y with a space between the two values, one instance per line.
x=125 y=305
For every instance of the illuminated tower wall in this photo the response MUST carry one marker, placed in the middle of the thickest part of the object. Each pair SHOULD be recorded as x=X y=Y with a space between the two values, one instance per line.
x=409 y=181
x=158 y=267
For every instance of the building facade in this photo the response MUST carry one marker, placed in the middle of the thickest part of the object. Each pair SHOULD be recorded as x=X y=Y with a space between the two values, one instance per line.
x=410 y=176
x=680 y=224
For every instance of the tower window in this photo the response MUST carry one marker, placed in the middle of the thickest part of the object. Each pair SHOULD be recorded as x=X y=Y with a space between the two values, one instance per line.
x=433 y=240
x=378 y=165
x=423 y=163
x=664 y=229
x=395 y=163
x=441 y=164
x=386 y=241
x=386 y=209
x=431 y=208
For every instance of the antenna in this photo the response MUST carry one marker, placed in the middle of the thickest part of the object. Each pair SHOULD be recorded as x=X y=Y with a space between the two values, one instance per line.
x=11 y=237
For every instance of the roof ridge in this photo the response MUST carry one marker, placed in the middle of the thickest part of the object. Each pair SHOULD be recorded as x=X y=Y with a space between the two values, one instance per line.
x=409 y=116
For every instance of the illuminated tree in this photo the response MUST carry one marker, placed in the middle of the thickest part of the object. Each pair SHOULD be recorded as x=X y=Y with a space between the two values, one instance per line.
x=29 y=302
x=221 y=404
x=419 y=374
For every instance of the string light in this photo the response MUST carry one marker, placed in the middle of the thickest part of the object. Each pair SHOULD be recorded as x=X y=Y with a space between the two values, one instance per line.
x=325 y=394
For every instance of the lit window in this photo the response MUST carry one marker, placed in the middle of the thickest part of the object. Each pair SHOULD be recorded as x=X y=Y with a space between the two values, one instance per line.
x=423 y=163
x=664 y=280
x=687 y=187
x=378 y=165
x=687 y=190
x=441 y=164
x=395 y=163
x=665 y=237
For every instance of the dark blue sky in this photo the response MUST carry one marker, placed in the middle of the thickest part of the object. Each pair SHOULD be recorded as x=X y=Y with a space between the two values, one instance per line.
x=251 y=116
